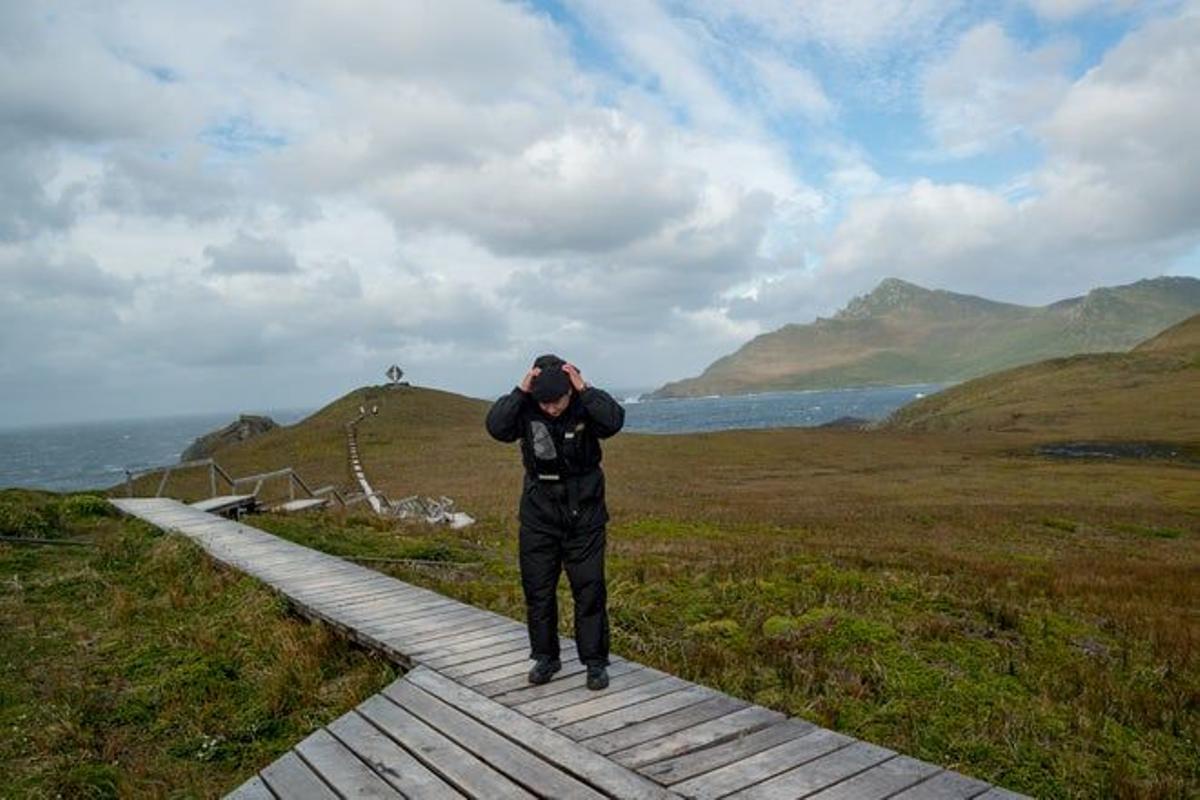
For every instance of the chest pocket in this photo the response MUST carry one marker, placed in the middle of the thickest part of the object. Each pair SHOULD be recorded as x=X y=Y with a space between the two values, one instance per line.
x=574 y=445
x=543 y=441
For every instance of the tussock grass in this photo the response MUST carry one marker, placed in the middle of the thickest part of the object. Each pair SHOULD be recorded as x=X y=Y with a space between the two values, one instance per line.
x=947 y=594
x=141 y=669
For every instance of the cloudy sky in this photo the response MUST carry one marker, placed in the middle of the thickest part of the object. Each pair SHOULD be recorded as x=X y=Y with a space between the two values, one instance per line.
x=228 y=206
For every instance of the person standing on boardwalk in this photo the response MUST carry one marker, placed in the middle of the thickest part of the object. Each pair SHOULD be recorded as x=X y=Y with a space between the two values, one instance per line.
x=560 y=421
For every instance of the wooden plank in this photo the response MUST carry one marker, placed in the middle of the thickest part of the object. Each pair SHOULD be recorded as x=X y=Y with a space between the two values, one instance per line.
x=386 y=611
x=300 y=572
x=738 y=748
x=406 y=635
x=372 y=605
x=289 y=778
x=440 y=621
x=661 y=727
x=473 y=667
x=644 y=711
x=881 y=781
x=610 y=700
x=216 y=505
x=527 y=769
x=635 y=677
x=945 y=786
x=331 y=585
x=393 y=763
x=590 y=767
x=468 y=642
x=516 y=669
x=816 y=775
x=412 y=639
x=415 y=615
x=480 y=653
x=253 y=789
x=482 y=619
x=709 y=783
x=563 y=680
x=343 y=770
x=454 y=763
x=358 y=593
x=314 y=577
x=348 y=598
x=714 y=732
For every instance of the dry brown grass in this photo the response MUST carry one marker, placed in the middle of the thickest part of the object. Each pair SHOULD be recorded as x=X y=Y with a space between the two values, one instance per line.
x=948 y=594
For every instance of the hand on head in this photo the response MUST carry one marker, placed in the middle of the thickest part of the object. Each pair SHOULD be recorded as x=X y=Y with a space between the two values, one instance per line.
x=577 y=381
x=527 y=381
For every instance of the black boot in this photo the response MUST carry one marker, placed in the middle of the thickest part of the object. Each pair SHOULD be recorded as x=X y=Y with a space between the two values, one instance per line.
x=544 y=669
x=597 y=676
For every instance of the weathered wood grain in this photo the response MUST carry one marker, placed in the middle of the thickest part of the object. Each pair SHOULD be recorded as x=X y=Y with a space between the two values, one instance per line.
x=708 y=734
x=343 y=770
x=647 y=709
x=289 y=778
x=389 y=760
x=746 y=768
x=519 y=764
x=586 y=765
x=444 y=756
x=817 y=774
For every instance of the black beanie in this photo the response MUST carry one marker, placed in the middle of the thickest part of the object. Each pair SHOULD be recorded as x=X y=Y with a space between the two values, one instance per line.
x=551 y=383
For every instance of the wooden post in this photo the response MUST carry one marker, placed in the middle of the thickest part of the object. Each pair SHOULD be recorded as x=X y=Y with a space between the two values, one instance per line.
x=212 y=479
x=129 y=482
x=291 y=486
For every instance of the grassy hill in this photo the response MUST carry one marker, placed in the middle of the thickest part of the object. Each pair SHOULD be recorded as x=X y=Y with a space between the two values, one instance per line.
x=1149 y=393
x=903 y=333
x=946 y=593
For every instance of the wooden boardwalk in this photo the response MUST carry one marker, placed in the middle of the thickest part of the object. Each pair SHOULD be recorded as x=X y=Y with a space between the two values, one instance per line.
x=464 y=722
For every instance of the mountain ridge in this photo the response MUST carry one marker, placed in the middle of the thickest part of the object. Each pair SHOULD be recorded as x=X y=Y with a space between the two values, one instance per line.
x=904 y=333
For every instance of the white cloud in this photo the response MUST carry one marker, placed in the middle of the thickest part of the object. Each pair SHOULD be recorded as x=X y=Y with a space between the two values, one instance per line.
x=988 y=90
x=791 y=90
x=596 y=186
x=200 y=193
x=1118 y=197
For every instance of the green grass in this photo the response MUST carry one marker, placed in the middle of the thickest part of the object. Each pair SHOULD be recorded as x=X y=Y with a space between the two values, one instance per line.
x=1008 y=680
x=949 y=595
x=138 y=668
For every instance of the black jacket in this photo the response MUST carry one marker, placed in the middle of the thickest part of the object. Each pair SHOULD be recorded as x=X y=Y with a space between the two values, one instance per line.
x=564 y=485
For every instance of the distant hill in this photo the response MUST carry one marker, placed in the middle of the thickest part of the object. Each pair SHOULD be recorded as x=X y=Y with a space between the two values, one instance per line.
x=245 y=427
x=903 y=333
x=404 y=444
x=1149 y=393
x=1184 y=337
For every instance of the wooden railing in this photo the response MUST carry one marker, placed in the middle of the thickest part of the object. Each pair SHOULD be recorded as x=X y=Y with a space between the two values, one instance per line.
x=215 y=471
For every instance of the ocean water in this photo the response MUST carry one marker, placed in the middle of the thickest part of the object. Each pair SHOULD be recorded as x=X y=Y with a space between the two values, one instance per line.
x=768 y=409
x=93 y=455
x=96 y=454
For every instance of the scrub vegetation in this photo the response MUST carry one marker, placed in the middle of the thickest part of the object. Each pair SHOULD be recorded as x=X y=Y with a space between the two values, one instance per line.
x=945 y=591
x=134 y=667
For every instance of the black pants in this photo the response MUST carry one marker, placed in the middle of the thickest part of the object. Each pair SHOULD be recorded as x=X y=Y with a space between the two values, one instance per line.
x=543 y=556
